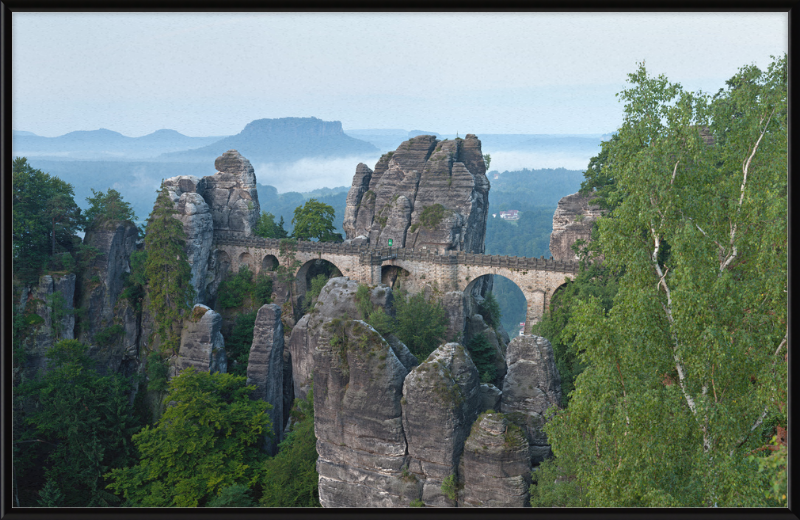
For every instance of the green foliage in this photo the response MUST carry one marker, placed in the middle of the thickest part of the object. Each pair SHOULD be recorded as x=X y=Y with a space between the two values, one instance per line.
x=599 y=175
x=262 y=291
x=382 y=322
x=483 y=355
x=375 y=316
x=239 y=290
x=555 y=485
x=157 y=371
x=416 y=503
x=50 y=495
x=233 y=291
x=317 y=283
x=490 y=310
x=237 y=346
x=134 y=283
x=107 y=336
x=594 y=280
x=450 y=487
x=290 y=478
x=682 y=369
x=78 y=424
x=363 y=303
x=431 y=216
x=267 y=228
x=107 y=207
x=487 y=160
x=774 y=467
x=58 y=311
x=167 y=270
x=315 y=220
x=207 y=440
x=237 y=495
x=44 y=218
x=420 y=324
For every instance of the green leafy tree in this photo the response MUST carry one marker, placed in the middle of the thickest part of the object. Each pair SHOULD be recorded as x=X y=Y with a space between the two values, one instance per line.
x=315 y=220
x=237 y=346
x=420 y=324
x=167 y=270
x=106 y=207
x=235 y=290
x=290 y=478
x=483 y=355
x=44 y=217
x=207 y=440
x=490 y=310
x=487 y=160
x=268 y=228
x=686 y=373
x=80 y=424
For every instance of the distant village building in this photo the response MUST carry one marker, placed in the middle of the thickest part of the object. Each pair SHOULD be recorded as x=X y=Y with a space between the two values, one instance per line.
x=496 y=176
x=511 y=214
x=522 y=328
x=494 y=215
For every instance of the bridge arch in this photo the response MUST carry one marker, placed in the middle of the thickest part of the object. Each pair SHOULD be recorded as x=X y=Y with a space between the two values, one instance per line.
x=269 y=263
x=395 y=276
x=512 y=299
x=310 y=270
x=245 y=259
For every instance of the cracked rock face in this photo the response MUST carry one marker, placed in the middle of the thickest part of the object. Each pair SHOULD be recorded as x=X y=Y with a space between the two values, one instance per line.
x=202 y=345
x=532 y=384
x=495 y=467
x=427 y=193
x=186 y=193
x=358 y=384
x=336 y=300
x=231 y=195
x=572 y=221
x=45 y=334
x=265 y=369
x=441 y=399
x=115 y=242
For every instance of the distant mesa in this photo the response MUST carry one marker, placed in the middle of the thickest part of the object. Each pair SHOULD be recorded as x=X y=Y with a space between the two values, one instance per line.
x=20 y=133
x=284 y=140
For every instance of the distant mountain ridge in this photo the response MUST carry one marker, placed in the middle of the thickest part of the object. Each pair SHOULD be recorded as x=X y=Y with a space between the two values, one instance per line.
x=104 y=144
x=283 y=140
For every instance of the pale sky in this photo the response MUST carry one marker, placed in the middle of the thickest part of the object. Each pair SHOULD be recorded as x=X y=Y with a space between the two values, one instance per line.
x=212 y=73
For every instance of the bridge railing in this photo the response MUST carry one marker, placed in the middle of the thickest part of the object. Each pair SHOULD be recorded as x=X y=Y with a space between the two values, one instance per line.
x=375 y=254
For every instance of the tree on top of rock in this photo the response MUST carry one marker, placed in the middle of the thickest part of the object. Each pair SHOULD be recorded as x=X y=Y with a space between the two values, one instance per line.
x=107 y=207
x=44 y=216
x=315 y=220
x=169 y=274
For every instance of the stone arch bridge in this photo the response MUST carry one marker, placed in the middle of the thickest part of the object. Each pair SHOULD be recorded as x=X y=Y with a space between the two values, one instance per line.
x=537 y=278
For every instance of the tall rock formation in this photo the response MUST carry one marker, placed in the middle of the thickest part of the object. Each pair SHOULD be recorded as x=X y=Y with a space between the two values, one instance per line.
x=225 y=203
x=358 y=383
x=495 y=468
x=336 y=300
x=186 y=191
x=427 y=194
x=231 y=194
x=572 y=221
x=532 y=384
x=202 y=345
x=102 y=284
x=265 y=369
x=52 y=301
x=441 y=400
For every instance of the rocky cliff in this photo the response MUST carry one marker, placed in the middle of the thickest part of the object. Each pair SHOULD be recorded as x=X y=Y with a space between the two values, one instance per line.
x=426 y=194
x=572 y=221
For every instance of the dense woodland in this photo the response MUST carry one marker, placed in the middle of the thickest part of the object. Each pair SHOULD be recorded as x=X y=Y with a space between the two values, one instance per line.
x=673 y=350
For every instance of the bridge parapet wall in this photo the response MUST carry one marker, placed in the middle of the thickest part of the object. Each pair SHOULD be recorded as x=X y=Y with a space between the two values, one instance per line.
x=511 y=262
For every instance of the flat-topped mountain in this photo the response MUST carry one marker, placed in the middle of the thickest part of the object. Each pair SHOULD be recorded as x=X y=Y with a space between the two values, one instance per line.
x=283 y=140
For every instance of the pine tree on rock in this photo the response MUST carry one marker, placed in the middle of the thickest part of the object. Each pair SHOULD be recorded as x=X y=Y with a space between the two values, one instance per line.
x=168 y=271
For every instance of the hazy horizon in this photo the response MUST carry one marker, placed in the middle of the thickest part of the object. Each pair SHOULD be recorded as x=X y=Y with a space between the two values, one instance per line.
x=209 y=74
